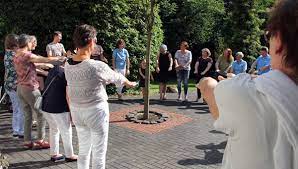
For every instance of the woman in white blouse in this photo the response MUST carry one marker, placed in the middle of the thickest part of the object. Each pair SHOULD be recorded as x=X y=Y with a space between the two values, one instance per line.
x=261 y=113
x=86 y=80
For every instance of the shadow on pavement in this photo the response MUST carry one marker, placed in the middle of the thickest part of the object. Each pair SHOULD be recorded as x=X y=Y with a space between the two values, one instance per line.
x=212 y=155
x=217 y=132
x=34 y=164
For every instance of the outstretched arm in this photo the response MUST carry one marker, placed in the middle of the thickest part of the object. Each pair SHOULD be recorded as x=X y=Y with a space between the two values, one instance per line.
x=207 y=86
x=253 y=66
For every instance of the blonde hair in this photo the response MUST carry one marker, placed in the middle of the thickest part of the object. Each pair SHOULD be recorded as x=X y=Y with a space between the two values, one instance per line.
x=207 y=50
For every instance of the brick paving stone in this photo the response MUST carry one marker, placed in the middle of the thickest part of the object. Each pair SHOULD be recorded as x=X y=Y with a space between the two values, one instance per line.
x=194 y=144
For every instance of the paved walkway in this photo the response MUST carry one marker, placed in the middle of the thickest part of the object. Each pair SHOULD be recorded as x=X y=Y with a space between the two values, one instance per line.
x=191 y=145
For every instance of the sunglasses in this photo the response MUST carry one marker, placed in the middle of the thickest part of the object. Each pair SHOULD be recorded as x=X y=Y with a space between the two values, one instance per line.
x=267 y=36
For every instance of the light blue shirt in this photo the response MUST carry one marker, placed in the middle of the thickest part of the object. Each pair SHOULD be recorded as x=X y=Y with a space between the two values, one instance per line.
x=120 y=56
x=239 y=66
x=261 y=62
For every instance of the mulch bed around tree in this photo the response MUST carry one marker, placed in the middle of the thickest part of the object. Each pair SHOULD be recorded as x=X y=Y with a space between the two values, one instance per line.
x=118 y=118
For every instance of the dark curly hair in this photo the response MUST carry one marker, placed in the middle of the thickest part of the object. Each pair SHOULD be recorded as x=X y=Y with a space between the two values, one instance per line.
x=284 y=20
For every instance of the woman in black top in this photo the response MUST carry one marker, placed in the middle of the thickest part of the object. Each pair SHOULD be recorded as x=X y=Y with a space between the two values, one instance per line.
x=164 y=66
x=203 y=67
x=56 y=112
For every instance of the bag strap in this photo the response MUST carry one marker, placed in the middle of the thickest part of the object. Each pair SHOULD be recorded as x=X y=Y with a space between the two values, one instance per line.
x=48 y=86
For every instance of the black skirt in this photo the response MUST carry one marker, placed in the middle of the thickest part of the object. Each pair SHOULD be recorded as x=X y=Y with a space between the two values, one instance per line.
x=163 y=76
x=142 y=83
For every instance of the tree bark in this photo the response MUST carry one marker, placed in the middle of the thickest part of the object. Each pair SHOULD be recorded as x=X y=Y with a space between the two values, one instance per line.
x=150 y=23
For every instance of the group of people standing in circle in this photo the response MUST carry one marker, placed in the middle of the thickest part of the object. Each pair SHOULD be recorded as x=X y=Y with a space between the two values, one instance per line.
x=77 y=84
x=74 y=83
x=225 y=66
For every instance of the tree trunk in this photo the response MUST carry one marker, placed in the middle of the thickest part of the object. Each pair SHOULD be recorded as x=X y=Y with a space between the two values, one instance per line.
x=150 y=23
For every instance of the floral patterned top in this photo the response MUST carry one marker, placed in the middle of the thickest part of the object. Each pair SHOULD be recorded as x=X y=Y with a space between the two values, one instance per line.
x=11 y=74
x=26 y=71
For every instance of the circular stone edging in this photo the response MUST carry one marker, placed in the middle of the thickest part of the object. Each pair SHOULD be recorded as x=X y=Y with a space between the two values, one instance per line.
x=132 y=117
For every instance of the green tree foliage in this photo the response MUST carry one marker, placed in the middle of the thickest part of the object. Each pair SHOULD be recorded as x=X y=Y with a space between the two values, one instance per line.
x=196 y=21
x=216 y=24
x=242 y=27
x=113 y=19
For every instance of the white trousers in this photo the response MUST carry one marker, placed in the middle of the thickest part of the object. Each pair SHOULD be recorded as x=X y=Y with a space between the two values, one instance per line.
x=92 y=126
x=120 y=86
x=18 y=115
x=59 y=123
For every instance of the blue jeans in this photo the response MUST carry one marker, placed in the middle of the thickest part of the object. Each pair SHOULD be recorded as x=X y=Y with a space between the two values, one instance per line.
x=18 y=115
x=182 y=75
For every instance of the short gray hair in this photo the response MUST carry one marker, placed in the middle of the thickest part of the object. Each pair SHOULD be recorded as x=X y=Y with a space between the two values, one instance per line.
x=240 y=54
x=32 y=38
x=24 y=39
x=207 y=50
x=164 y=47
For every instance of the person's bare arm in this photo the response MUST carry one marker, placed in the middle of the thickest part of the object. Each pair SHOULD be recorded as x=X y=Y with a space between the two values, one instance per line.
x=207 y=86
x=43 y=65
x=207 y=68
x=188 y=63
x=228 y=70
x=127 y=66
x=157 y=63
x=102 y=58
x=171 y=62
x=41 y=59
x=67 y=98
x=42 y=72
x=196 y=67
x=232 y=70
x=176 y=63
x=113 y=63
x=217 y=64
x=140 y=72
x=253 y=66
x=265 y=68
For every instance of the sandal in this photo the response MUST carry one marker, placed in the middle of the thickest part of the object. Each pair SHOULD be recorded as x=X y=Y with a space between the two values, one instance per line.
x=57 y=158
x=43 y=144
x=29 y=145
x=71 y=159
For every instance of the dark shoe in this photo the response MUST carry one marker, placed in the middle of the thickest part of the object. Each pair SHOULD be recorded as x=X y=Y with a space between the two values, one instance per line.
x=15 y=135
x=34 y=124
x=71 y=159
x=21 y=136
x=58 y=158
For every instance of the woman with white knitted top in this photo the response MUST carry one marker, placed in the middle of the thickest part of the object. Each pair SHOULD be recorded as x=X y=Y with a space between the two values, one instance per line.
x=86 y=80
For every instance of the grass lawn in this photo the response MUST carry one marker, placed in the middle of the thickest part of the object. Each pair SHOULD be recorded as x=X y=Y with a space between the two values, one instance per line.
x=154 y=87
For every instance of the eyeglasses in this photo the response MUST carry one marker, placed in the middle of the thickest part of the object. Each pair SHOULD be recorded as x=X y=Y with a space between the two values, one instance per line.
x=267 y=36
